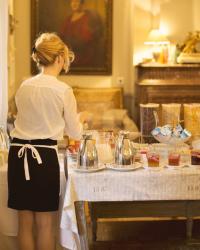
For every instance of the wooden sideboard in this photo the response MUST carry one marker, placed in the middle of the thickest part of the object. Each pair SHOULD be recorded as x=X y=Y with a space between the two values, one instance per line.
x=178 y=83
x=163 y=83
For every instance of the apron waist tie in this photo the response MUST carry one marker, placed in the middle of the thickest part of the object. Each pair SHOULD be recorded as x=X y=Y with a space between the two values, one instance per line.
x=35 y=155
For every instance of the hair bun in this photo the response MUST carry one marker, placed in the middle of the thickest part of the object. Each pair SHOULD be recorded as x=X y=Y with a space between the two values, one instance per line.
x=47 y=47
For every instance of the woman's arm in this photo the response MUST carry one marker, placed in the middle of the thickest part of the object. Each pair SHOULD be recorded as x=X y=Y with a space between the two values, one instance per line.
x=73 y=126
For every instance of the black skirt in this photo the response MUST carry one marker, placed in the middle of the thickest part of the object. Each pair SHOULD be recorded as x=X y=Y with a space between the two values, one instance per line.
x=41 y=192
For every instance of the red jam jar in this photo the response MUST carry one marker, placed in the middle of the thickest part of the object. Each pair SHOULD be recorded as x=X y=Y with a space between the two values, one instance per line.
x=195 y=157
x=153 y=159
x=174 y=159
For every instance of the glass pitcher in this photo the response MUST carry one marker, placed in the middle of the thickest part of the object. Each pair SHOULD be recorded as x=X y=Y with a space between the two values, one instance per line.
x=104 y=145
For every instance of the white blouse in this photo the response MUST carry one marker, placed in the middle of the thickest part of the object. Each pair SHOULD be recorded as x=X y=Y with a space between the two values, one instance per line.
x=46 y=108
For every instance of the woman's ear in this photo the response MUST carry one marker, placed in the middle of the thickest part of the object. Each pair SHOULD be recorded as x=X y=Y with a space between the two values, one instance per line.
x=57 y=60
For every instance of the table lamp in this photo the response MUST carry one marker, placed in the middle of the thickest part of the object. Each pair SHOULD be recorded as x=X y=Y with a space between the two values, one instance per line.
x=159 y=42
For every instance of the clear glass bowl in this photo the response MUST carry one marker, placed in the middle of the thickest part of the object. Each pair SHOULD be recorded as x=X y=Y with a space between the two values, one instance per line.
x=171 y=139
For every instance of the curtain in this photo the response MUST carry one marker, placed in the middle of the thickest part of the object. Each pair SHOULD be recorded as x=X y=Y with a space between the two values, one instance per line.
x=3 y=62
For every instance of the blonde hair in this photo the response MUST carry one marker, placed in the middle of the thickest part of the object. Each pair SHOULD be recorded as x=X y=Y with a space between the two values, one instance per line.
x=47 y=47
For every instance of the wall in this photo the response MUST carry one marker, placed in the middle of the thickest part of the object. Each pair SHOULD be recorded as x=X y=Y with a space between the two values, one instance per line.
x=177 y=18
x=11 y=55
x=196 y=8
x=141 y=26
x=22 y=40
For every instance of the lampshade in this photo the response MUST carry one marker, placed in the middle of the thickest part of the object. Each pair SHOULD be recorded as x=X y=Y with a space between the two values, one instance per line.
x=156 y=37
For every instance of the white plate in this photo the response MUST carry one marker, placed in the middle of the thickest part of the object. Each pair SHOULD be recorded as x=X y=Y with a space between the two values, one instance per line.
x=194 y=166
x=124 y=168
x=90 y=170
x=175 y=167
x=153 y=168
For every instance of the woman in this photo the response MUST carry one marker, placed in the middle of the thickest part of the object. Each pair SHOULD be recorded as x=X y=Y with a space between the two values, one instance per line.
x=83 y=31
x=46 y=106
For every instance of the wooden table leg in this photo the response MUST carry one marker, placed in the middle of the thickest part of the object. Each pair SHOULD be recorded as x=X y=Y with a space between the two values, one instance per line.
x=189 y=227
x=82 y=224
x=93 y=216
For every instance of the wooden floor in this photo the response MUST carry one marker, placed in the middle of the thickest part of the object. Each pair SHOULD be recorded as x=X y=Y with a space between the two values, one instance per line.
x=160 y=235
x=147 y=247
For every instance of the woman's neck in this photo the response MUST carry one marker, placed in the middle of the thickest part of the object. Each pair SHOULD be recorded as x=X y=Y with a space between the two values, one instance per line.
x=50 y=71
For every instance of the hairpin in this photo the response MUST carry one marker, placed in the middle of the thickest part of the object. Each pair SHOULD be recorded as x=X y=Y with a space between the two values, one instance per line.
x=34 y=49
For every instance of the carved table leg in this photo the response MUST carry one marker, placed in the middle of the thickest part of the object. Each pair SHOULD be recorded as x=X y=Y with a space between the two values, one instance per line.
x=189 y=227
x=82 y=224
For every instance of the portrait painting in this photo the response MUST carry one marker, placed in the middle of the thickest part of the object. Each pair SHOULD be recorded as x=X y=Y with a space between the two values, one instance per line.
x=84 y=25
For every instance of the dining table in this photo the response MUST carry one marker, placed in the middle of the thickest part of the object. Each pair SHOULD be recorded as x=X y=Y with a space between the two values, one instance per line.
x=112 y=192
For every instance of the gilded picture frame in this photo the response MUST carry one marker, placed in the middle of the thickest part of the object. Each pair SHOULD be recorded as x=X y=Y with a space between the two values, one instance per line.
x=88 y=34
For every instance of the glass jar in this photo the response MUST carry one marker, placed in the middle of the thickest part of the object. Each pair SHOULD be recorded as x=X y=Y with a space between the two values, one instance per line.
x=105 y=146
x=195 y=157
x=192 y=118
x=148 y=121
x=171 y=114
x=153 y=158
x=174 y=158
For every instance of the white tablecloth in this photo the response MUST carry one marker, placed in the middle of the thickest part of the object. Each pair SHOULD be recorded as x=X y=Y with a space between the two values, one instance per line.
x=8 y=217
x=139 y=185
x=109 y=185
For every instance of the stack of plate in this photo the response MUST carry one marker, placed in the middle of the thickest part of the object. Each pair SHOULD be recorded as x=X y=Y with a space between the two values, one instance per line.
x=92 y=169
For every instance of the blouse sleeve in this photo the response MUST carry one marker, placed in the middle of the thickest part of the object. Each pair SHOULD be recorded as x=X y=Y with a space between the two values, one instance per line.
x=73 y=126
